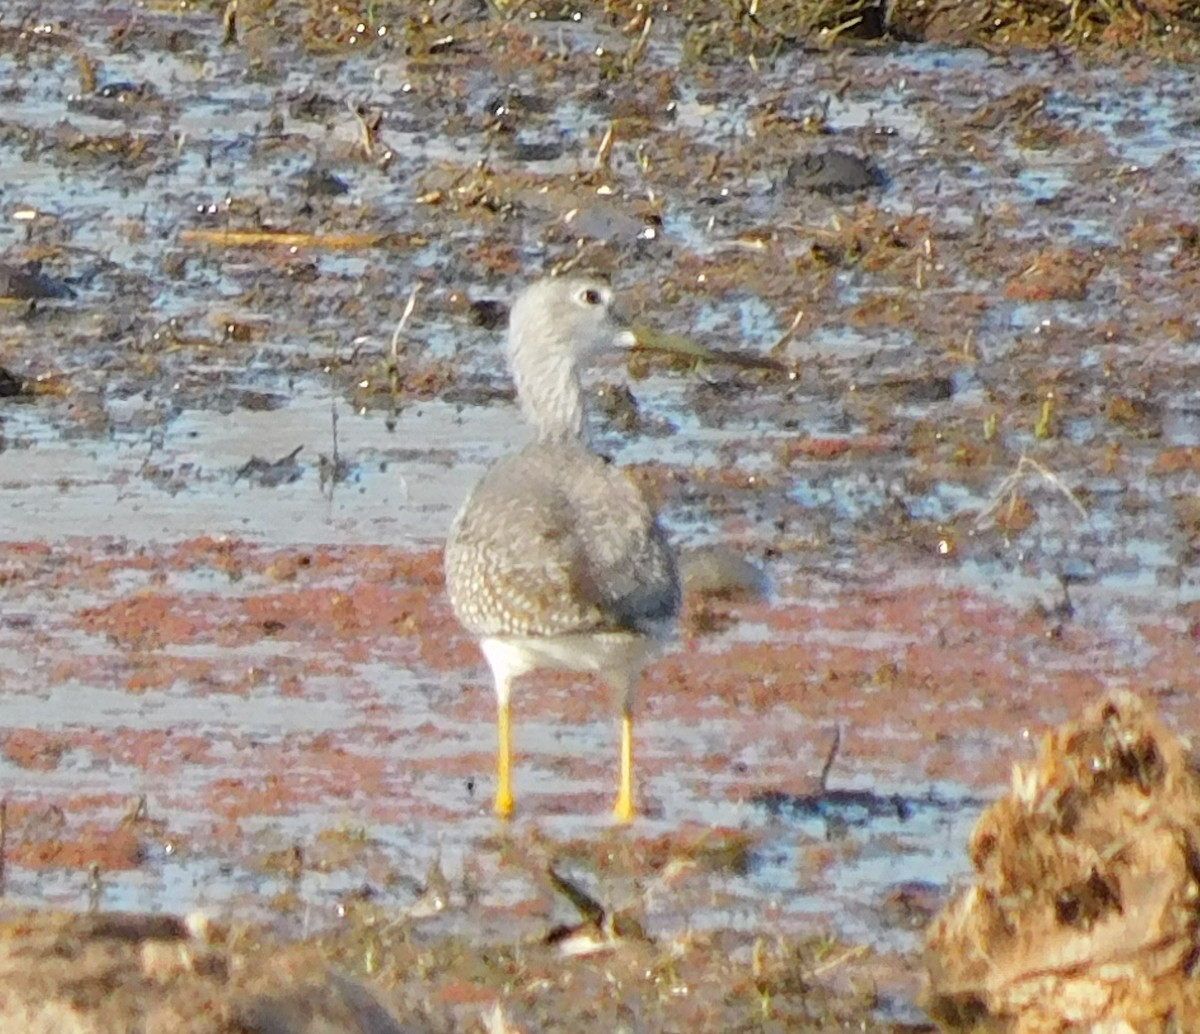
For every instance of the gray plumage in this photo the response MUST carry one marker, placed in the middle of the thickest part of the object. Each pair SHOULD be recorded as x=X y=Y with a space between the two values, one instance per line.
x=554 y=541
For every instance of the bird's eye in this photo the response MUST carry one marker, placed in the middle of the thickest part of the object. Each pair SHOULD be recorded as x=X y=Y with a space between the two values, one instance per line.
x=590 y=296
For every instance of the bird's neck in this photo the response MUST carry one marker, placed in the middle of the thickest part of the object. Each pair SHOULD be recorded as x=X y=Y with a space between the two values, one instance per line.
x=551 y=398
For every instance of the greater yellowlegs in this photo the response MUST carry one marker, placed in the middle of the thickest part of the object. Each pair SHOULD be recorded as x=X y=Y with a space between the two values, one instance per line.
x=556 y=560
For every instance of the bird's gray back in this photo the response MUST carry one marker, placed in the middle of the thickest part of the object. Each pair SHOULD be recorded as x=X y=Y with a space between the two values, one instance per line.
x=555 y=541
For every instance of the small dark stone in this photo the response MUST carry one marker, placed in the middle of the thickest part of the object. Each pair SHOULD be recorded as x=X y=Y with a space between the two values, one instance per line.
x=261 y=401
x=180 y=41
x=175 y=264
x=322 y=183
x=29 y=283
x=832 y=172
x=118 y=100
x=911 y=905
x=10 y=384
x=126 y=92
x=514 y=102
x=303 y=272
x=537 y=150
x=619 y=406
x=933 y=388
x=488 y=314
x=272 y=473
x=314 y=107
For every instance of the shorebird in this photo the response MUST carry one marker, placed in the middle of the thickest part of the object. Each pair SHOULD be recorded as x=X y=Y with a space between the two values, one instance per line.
x=556 y=560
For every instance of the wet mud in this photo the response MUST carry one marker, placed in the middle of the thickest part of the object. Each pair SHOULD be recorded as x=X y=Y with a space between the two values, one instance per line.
x=255 y=265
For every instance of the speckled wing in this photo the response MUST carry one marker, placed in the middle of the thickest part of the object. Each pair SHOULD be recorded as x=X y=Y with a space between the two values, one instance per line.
x=555 y=541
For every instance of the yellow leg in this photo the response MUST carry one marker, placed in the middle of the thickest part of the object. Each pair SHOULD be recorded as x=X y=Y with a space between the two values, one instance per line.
x=504 y=794
x=624 y=810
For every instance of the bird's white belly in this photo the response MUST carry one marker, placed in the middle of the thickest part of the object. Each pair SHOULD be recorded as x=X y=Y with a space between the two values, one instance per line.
x=611 y=654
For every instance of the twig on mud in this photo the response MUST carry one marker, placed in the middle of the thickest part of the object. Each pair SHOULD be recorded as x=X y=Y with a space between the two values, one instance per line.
x=584 y=251
x=138 y=811
x=332 y=469
x=95 y=888
x=1008 y=490
x=830 y=757
x=849 y=955
x=634 y=54
x=604 y=151
x=404 y=317
x=3 y=843
x=776 y=349
x=229 y=36
x=393 y=366
x=271 y=238
x=368 y=126
x=586 y=905
x=87 y=72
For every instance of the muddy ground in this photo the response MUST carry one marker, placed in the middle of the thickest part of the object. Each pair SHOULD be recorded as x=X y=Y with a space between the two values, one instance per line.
x=966 y=457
